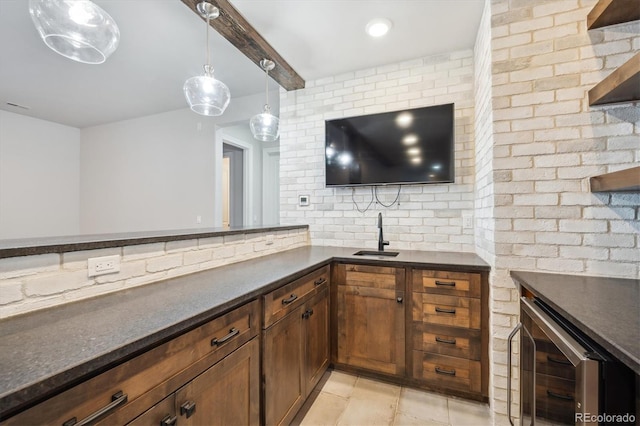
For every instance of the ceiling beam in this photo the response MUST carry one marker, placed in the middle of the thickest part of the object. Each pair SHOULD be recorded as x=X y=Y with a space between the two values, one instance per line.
x=235 y=28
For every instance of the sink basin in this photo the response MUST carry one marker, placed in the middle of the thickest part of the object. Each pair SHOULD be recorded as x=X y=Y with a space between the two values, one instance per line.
x=376 y=253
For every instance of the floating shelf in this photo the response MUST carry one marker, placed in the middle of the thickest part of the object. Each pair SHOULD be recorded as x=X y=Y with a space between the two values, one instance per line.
x=622 y=85
x=627 y=180
x=611 y=12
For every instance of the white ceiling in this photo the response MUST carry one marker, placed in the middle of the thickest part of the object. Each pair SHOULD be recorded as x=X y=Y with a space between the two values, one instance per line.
x=162 y=44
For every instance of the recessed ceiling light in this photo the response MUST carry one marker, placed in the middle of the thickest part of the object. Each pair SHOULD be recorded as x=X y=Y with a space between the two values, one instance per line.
x=413 y=151
x=378 y=27
x=404 y=119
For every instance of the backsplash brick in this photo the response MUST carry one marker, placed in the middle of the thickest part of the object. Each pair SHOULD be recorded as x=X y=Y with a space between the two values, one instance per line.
x=428 y=217
x=28 y=283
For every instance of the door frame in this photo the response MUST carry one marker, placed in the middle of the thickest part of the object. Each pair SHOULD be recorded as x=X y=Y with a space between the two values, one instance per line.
x=266 y=153
x=247 y=174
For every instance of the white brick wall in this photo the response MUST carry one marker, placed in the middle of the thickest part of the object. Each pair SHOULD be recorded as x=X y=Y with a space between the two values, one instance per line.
x=34 y=282
x=547 y=142
x=428 y=217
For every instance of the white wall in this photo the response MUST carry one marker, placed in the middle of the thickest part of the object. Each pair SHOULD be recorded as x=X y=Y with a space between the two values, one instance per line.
x=150 y=173
x=155 y=172
x=429 y=217
x=39 y=177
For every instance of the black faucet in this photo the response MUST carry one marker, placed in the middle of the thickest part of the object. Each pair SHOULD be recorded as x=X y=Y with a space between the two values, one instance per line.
x=381 y=241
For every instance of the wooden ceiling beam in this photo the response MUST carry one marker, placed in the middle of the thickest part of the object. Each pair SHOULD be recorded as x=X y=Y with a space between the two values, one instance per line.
x=235 y=28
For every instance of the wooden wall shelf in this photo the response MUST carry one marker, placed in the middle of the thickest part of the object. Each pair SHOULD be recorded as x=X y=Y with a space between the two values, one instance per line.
x=611 y=12
x=622 y=85
x=627 y=180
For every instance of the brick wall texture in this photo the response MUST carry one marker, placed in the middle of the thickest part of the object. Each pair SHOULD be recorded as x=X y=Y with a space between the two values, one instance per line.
x=28 y=283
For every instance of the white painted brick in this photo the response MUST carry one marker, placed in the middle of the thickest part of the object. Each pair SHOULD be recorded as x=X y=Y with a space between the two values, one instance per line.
x=163 y=263
x=611 y=269
x=55 y=282
x=583 y=226
x=12 y=267
x=142 y=251
x=560 y=265
x=181 y=246
x=10 y=291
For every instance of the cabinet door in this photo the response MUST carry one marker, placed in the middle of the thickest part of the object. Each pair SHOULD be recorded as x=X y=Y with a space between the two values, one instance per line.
x=228 y=393
x=316 y=339
x=371 y=318
x=283 y=386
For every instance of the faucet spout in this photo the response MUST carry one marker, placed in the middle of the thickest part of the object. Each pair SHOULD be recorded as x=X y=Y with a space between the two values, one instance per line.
x=381 y=241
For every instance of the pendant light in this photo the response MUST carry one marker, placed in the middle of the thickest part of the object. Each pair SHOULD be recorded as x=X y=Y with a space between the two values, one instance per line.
x=206 y=95
x=265 y=126
x=77 y=29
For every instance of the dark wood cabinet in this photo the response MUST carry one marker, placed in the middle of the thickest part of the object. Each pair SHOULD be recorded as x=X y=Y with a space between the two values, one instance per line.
x=448 y=328
x=126 y=392
x=370 y=318
x=296 y=344
x=227 y=393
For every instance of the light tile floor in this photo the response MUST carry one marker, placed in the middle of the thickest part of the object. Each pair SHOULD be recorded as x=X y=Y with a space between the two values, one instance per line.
x=345 y=399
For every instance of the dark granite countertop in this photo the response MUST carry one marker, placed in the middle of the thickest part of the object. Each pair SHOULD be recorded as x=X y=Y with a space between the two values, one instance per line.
x=45 y=352
x=31 y=246
x=605 y=309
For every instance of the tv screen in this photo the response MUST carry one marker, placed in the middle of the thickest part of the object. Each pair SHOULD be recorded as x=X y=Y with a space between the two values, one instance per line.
x=400 y=147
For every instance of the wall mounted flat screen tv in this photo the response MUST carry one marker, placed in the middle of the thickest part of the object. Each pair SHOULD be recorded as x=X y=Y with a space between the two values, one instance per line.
x=401 y=147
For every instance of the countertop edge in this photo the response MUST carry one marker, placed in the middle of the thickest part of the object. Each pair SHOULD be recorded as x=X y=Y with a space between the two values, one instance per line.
x=35 y=246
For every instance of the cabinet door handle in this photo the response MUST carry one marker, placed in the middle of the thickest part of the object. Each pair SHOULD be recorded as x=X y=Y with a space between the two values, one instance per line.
x=117 y=399
x=320 y=281
x=307 y=313
x=188 y=408
x=558 y=361
x=447 y=341
x=289 y=299
x=445 y=372
x=446 y=283
x=559 y=396
x=169 y=421
x=217 y=342
x=445 y=311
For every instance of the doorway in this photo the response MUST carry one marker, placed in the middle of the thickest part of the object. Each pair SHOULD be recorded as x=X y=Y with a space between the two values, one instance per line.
x=232 y=185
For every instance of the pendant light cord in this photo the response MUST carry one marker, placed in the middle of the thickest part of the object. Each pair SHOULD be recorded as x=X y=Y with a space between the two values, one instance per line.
x=266 y=86
x=207 y=43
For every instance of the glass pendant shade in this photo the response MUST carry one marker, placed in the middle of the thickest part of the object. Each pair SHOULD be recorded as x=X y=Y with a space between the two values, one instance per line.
x=77 y=29
x=206 y=95
x=265 y=127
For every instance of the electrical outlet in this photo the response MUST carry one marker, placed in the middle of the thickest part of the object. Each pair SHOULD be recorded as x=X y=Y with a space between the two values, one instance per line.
x=467 y=221
x=103 y=265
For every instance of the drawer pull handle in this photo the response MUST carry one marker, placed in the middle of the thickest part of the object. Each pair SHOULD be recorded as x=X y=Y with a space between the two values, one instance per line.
x=559 y=396
x=289 y=299
x=307 y=313
x=320 y=281
x=169 y=421
x=117 y=399
x=447 y=341
x=217 y=342
x=188 y=408
x=445 y=311
x=446 y=283
x=558 y=361
x=445 y=372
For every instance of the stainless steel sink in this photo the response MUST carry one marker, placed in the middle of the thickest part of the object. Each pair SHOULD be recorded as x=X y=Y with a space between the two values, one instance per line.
x=376 y=253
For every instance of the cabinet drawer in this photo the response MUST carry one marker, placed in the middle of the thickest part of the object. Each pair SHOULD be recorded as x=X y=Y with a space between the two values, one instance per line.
x=444 y=282
x=447 y=310
x=130 y=388
x=447 y=372
x=288 y=297
x=443 y=340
